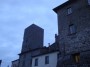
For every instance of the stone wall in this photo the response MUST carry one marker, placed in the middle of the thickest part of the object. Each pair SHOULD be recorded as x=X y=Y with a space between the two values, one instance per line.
x=80 y=17
x=78 y=42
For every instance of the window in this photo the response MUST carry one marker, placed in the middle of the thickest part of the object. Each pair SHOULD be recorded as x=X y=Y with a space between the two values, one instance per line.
x=69 y=10
x=89 y=2
x=46 y=59
x=72 y=29
x=36 y=62
x=76 y=57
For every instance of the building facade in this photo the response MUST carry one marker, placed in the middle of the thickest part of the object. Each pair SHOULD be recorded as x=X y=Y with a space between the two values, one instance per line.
x=45 y=60
x=74 y=33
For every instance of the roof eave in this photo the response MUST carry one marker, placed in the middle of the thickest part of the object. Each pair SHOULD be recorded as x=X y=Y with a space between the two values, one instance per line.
x=60 y=6
x=63 y=5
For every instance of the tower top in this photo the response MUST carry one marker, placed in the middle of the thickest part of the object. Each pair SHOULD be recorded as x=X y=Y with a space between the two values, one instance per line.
x=34 y=26
x=33 y=38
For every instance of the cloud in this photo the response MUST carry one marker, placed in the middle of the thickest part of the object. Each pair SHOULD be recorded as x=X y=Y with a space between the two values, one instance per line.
x=16 y=15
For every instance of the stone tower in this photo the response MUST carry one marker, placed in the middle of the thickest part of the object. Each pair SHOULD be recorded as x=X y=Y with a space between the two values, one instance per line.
x=33 y=38
x=32 y=43
x=74 y=31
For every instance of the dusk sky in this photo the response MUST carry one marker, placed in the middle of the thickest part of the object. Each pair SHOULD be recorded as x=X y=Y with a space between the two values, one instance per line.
x=16 y=15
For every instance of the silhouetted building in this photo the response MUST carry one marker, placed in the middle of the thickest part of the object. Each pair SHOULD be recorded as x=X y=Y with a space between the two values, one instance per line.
x=15 y=63
x=33 y=38
x=74 y=33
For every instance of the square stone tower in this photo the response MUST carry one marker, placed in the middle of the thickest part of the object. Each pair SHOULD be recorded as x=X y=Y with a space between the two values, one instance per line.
x=33 y=38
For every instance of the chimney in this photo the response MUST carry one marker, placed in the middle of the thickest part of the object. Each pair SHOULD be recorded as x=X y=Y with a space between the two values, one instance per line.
x=56 y=38
x=49 y=46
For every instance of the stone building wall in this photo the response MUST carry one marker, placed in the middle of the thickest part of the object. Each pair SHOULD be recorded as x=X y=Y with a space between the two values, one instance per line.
x=80 y=17
x=78 y=42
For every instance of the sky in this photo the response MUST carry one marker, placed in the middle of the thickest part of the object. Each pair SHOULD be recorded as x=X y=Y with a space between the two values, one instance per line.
x=16 y=15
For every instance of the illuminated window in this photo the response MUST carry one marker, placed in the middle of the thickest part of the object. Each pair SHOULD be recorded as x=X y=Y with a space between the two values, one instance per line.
x=69 y=10
x=76 y=57
x=58 y=56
